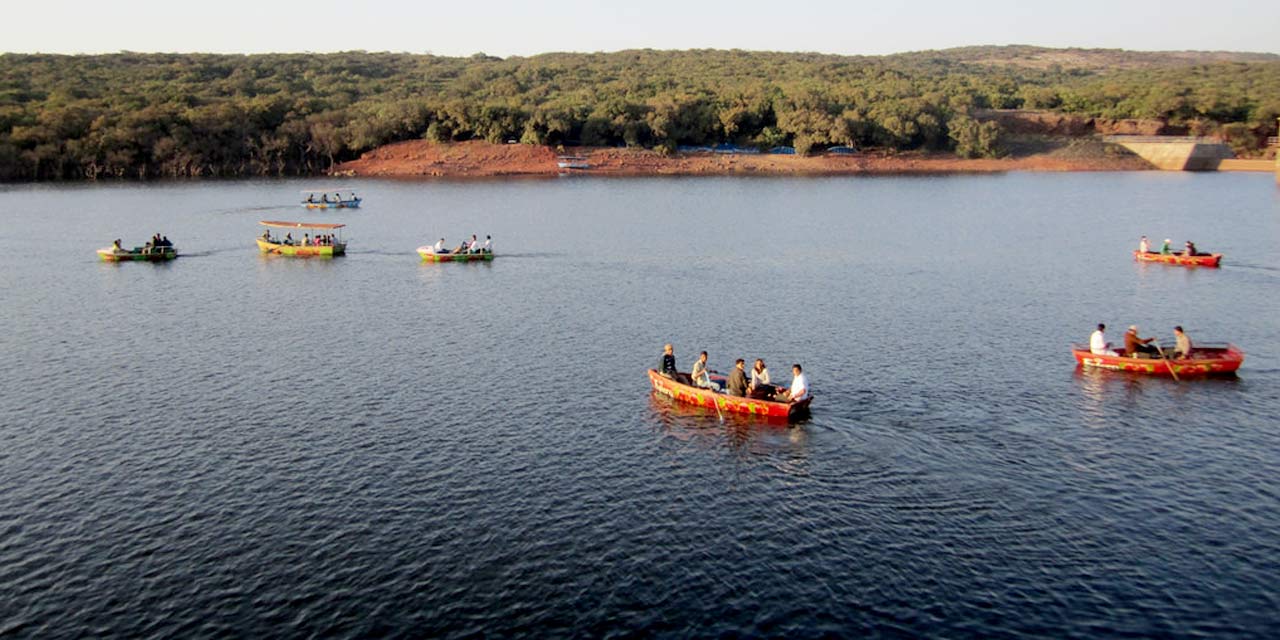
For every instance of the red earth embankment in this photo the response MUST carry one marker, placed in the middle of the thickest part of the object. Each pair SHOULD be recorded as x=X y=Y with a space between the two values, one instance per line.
x=481 y=159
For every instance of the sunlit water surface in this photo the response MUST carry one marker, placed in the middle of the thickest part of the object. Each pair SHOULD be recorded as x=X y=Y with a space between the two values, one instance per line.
x=233 y=444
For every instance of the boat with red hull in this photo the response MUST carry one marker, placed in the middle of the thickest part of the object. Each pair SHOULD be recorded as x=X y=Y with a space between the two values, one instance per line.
x=699 y=396
x=1205 y=360
x=1198 y=260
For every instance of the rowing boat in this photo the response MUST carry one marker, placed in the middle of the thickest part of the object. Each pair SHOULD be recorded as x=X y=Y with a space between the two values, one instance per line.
x=1205 y=359
x=1198 y=260
x=320 y=200
x=699 y=396
x=429 y=254
x=295 y=248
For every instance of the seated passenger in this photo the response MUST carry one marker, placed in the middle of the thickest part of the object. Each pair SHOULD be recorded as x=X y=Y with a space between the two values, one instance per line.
x=667 y=363
x=1165 y=249
x=1191 y=249
x=1144 y=246
x=288 y=238
x=1098 y=344
x=488 y=245
x=759 y=386
x=439 y=246
x=799 y=385
x=1182 y=344
x=738 y=378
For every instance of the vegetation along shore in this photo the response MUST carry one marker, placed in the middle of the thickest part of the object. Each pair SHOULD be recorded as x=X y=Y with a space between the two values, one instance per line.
x=132 y=115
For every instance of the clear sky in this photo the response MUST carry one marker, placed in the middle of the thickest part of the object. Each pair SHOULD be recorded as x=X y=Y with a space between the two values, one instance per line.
x=511 y=27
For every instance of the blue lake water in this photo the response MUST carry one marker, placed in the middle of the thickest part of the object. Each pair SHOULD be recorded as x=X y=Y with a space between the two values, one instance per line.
x=233 y=444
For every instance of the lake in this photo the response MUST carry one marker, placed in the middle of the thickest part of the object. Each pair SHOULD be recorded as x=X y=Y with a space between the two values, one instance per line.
x=233 y=444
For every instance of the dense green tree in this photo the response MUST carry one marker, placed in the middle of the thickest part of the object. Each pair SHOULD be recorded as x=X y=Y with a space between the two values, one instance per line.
x=150 y=115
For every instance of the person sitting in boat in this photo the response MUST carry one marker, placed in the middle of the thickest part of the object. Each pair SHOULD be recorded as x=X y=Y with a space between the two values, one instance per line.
x=702 y=377
x=324 y=198
x=759 y=387
x=1144 y=246
x=1167 y=247
x=337 y=197
x=439 y=247
x=667 y=363
x=266 y=236
x=1098 y=344
x=164 y=240
x=1182 y=344
x=738 y=378
x=115 y=246
x=288 y=237
x=1191 y=249
x=1133 y=345
x=311 y=197
x=488 y=245
x=799 y=385
x=474 y=246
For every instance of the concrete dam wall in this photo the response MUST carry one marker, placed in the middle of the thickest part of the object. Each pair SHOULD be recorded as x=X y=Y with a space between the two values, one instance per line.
x=1171 y=153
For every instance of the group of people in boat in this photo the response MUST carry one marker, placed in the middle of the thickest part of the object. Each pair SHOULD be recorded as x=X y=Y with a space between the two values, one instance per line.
x=324 y=198
x=320 y=240
x=157 y=244
x=468 y=246
x=1167 y=248
x=738 y=383
x=1139 y=347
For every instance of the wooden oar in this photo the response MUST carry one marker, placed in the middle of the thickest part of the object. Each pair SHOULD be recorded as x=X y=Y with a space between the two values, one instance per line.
x=1168 y=362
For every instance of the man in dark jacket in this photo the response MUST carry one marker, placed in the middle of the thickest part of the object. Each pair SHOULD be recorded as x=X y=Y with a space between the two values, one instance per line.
x=738 y=379
x=667 y=365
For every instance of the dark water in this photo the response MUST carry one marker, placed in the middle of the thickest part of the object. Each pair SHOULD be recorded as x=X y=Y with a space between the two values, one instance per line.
x=237 y=445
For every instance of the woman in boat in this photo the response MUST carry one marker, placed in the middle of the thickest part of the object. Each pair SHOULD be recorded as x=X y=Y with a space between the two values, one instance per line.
x=1191 y=249
x=759 y=387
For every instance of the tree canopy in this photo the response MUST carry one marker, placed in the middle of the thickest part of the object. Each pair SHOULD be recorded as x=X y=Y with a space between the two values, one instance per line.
x=152 y=115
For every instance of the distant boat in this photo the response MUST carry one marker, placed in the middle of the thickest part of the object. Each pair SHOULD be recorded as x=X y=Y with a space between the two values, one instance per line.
x=320 y=199
x=1198 y=260
x=294 y=247
x=842 y=151
x=786 y=151
x=137 y=254
x=572 y=162
x=1205 y=359
x=429 y=254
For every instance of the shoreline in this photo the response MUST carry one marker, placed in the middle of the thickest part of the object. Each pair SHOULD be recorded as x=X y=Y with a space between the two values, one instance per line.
x=473 y=159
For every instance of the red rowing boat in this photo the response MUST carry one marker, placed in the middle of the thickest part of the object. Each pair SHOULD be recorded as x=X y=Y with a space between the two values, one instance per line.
x=1198 y=260
x=1208 y=359
x=689 y=394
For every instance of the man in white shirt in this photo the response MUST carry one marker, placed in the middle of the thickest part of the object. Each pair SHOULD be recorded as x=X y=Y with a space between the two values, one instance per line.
x=1144 y=246
x=488 y=245
x=1098 y=342
x=439 y=248
x=799 y=385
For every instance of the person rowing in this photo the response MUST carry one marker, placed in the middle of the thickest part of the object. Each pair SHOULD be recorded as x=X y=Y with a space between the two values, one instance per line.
x=701 y=377
x=1133 y=345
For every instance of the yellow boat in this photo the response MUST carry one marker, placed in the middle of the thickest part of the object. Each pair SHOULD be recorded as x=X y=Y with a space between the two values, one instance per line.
x=301 y=247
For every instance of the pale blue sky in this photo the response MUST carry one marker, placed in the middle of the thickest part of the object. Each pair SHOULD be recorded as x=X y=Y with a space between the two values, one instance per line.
x=506 y=27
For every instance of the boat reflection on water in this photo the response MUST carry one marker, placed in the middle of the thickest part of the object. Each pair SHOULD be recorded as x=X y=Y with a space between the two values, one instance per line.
x=745 y=434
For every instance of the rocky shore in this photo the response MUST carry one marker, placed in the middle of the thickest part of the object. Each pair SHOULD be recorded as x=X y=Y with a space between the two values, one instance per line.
x=481 y=159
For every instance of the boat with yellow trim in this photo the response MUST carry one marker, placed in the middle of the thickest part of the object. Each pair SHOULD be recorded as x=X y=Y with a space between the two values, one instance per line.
x=319 y=199
x=429 y=254
x=328 y=246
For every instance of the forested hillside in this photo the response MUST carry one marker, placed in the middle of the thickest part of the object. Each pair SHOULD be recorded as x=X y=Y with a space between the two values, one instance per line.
x=149 y=115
